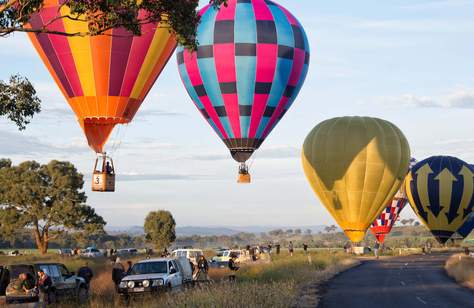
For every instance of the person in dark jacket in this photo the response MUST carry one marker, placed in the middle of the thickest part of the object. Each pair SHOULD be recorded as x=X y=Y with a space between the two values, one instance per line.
x=277 y=249
x=44 y=285
x=202 y=269
x=202 y=264
x=233 y=266
x=117 y=272
x=86 y=273
x=305 y=248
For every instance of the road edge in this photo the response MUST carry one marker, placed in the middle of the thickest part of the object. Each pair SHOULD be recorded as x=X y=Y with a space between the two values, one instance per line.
x=309 y=294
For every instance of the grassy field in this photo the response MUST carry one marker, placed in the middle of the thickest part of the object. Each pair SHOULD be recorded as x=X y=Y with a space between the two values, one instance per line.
x=275 y=282
x=461 y=268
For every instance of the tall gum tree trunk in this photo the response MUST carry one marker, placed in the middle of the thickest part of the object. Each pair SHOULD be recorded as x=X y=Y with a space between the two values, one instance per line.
x=41 y=241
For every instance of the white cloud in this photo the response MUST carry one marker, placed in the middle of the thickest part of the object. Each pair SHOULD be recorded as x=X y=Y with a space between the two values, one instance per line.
x=135 y=177
x=456 y=99
x=461 y=99
x=24 y=145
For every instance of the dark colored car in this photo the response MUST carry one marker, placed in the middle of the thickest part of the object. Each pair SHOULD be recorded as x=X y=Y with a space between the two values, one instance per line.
x=66 y=285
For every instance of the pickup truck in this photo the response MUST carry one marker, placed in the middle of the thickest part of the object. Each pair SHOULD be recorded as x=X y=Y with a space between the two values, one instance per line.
x=66 y=285
x=155 y=275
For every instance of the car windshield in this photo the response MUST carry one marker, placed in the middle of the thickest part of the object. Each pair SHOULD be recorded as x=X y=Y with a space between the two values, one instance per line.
x=159 y=267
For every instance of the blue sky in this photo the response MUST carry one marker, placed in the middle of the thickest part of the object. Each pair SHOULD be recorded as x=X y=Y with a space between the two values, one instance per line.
x=410 y=62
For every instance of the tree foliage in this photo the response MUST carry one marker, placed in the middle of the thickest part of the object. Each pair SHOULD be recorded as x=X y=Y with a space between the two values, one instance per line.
x=18 y=101
x=103 y=15
x=160 y=229
x=46 y=199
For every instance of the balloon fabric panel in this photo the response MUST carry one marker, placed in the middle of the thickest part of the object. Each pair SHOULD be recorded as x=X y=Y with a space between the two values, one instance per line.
x=104 y=78
x=385 y=221
x=467 y=227
x=440 y=190
x=250 y=65
x=355 y=166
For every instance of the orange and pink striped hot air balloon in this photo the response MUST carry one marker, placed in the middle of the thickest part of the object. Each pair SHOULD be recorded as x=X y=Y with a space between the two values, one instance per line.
x=104 y=78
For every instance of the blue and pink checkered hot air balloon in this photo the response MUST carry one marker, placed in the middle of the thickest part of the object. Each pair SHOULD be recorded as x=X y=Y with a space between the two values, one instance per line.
x=250 y=65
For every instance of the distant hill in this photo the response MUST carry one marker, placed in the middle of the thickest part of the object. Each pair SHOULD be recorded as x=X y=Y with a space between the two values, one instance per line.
x=207 y=231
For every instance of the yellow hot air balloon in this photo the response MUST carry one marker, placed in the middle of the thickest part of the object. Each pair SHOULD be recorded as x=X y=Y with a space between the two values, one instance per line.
x=355 y=165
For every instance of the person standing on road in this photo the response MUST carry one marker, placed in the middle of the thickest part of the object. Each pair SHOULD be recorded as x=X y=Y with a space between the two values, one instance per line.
x=290 y=248
x=428 y=247
x=347 y=247
x=117 y=272
x=305 y=248
x=86 y=273
x=376 y=249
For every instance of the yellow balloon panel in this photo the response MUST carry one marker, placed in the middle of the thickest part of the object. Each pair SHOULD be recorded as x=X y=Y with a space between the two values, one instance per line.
x=355 y=165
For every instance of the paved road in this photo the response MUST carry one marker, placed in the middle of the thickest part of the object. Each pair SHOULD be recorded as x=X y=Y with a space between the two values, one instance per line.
x=402 y=282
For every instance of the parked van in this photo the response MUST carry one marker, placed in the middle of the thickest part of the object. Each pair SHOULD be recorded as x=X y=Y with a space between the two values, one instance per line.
x=190 y=254
x=91 y=252
x=127 y=252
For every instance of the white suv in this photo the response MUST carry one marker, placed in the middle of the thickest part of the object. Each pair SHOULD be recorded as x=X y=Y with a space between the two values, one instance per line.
x=190 y=254
x=154 y=275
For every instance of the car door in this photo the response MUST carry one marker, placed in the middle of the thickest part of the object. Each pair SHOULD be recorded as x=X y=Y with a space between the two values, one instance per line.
x=55 y=276
x=173 y=274
x=69 y=280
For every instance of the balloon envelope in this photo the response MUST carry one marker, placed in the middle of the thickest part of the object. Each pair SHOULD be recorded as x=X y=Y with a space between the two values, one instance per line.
x=440 y=190
x=467 y=227
x=250 y=65
x=383 y=224
x=104 y=78
x=355 y=165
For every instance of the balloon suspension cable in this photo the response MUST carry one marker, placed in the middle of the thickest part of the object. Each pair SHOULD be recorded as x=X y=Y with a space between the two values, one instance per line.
x=243 y=168
x=120 y=136
x=252 y=160
x=115 y=138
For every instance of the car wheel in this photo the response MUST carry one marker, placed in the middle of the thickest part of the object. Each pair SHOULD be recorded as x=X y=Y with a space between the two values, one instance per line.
x=82 y=295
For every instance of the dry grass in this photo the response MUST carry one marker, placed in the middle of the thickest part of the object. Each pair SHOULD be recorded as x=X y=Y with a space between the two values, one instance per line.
x=461 y=268
x=266 y=283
